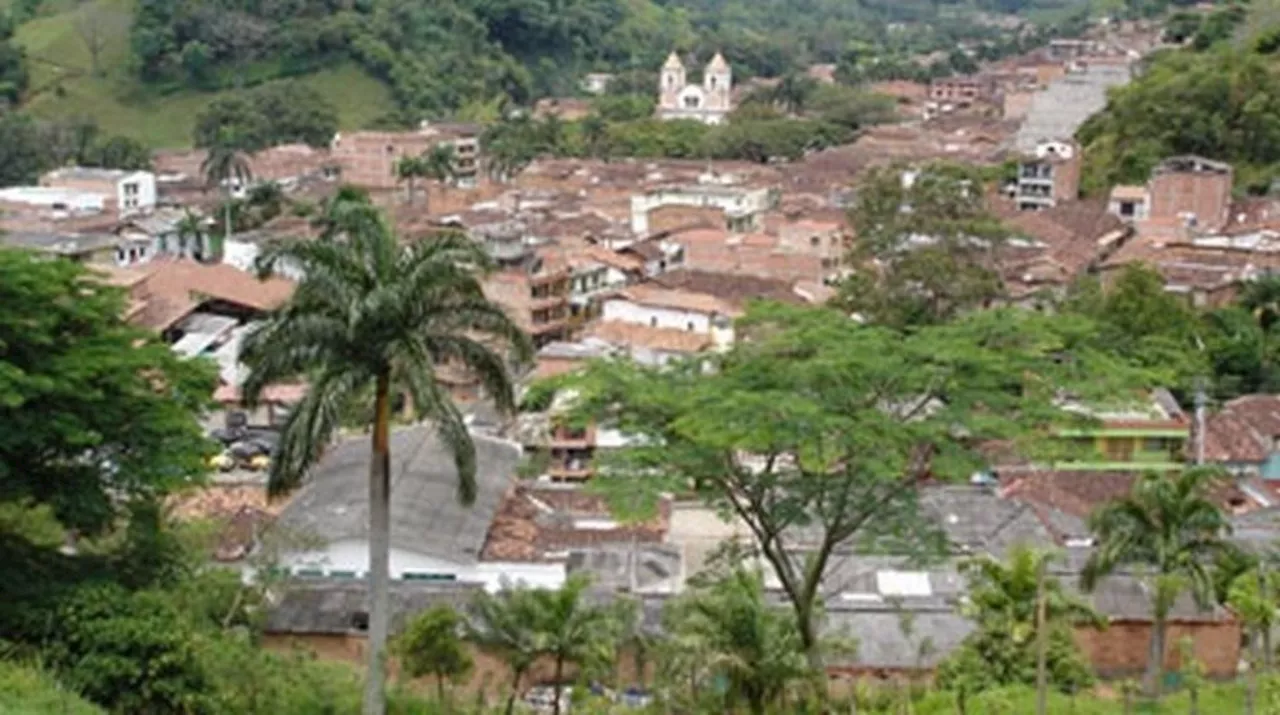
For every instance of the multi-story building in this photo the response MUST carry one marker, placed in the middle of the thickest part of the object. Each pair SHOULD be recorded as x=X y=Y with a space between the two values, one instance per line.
x=1191 y=189
x=368 y=158
x=742 y=207
x=536 y=294
x=1048 y=175
x=77 y=189
x=960 y=90
x=709 y=103
x=1150 y=435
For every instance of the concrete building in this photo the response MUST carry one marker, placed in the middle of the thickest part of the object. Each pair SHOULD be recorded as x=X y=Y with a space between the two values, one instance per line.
x=123 y=192
x=536 y=295
x=368 y=158
x=742 y=207
x=1048 y=175
x=1129 y=203
x=1192 y=190
x=962 y=91
x=97 y=249
x=674 y=309
x=709 y=103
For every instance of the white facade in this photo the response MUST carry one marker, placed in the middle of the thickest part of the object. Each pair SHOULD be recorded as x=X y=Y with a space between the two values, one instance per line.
x=136 y=192
x=719 y=327
x=741 y=206
x=55 y=199
x=709 y=103
x=350 y=559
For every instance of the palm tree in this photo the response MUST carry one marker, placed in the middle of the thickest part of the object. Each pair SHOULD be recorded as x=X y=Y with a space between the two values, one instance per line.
x=190 y=233
x=441 y=163
x=1168 y=525
x=227 y=166
x=372 y=313
x=569 y=630
x=1253 y=598
x=754 y=646
x=502 y=625
x=409 y=169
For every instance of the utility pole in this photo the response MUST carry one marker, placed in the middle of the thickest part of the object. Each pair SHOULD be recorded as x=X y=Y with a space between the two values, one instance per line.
x=1042 y=640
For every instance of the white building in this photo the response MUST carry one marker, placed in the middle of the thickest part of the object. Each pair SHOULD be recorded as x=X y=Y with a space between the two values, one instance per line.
x=709 y=102
x=123 y=192
x=433 y=538
x=673 y=309
x=742 y=206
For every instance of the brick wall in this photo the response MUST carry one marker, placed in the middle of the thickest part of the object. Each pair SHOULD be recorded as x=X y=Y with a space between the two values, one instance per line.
x=1205 y=194
x=1121 y=649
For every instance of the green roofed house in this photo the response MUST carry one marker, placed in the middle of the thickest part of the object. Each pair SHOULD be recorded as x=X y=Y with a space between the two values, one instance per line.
x=1152 y=434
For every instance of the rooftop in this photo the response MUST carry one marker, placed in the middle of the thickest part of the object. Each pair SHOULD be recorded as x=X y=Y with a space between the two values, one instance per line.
x=84 y=173
x=655 y=296
x=426 y=518
x=63 y=244
x=667 y=340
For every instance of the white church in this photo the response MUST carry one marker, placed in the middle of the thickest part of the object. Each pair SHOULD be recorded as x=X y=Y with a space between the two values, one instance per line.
x=709 y=103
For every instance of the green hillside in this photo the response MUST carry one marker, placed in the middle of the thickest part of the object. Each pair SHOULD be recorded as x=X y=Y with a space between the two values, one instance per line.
x=63 y=85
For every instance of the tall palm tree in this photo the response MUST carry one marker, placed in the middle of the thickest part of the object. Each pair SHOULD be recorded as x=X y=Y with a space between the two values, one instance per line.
x=442 y=163
x=569 y=630
x=373 y=313
x=226 y=166
x=409 y=169
x=1168 y=525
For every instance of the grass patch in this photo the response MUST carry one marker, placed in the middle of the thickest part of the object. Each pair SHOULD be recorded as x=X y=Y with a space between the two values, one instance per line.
x=64 y=85
x=24 y=691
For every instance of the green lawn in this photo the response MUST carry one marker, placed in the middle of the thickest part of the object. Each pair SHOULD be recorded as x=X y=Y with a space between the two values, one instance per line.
x=63 y=85
x=24 y=691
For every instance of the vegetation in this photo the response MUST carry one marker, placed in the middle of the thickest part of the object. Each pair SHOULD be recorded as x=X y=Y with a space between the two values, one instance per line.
x=278 y=113
x=895 y=280
x=1170 y=526
x=432 y=645
x=1216 y=99
x=372 y=314
x=1005 y=600
x=773 y=395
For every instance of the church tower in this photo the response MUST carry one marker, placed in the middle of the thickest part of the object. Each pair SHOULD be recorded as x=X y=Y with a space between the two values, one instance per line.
x=671 y=83
x=717 y=81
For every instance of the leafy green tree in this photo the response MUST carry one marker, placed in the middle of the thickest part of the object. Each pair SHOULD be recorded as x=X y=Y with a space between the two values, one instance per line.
x=441 y=163
x=335 y=332
x=815 y=431
x=24 y=150
x=926 y=247
x=1144 y=322
x=432 y=645
x=1003 y=602
x=226 y=165
x=131 y=653
x=794 y=91
x=1166 y=524
x=732 y=632
x=97 y=412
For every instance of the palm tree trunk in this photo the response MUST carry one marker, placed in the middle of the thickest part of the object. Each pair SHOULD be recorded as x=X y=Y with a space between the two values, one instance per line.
x=1251 y=677
x=1155 y=658
x=1042 y=644
x=379 y=548
x=555 y=687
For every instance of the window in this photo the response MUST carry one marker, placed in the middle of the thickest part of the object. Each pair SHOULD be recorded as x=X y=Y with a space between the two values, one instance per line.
x=692 y=101
x=813 y=240
x=689 y=326
x=426 y=576
x=1127 y=209
x=342 y=574
x=308 y=573
x=653 y=322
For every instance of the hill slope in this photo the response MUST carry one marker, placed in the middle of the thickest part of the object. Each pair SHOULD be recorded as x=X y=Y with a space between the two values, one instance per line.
x=64 y=86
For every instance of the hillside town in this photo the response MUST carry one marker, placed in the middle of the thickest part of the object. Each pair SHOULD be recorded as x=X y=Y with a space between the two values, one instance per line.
x=662 y=263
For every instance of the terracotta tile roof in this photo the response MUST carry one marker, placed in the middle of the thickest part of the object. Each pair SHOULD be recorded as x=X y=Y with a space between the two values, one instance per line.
x=667 y=340
x=536 y=523
x=733 y=288
x=1129 y=193
x=282 y=394
x=178 y=286
x=655 y=296
x=1079 y=493
x=1244 y=430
